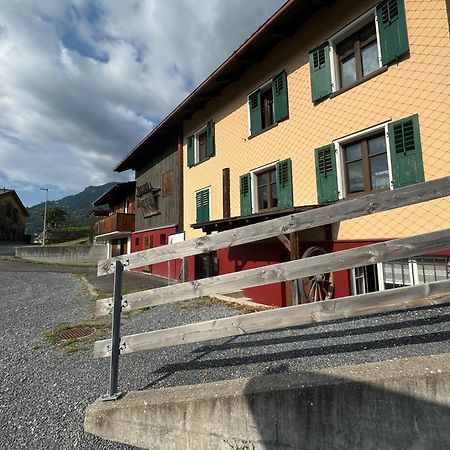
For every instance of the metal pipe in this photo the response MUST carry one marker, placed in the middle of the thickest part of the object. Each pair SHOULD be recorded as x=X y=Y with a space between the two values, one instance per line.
x=115 y=341
x=45 y=215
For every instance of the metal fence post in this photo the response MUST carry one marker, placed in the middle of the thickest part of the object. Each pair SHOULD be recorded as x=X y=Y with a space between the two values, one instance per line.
x=115 y=341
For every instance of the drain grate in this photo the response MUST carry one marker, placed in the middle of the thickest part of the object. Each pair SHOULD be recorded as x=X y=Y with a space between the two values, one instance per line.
x=75 y=333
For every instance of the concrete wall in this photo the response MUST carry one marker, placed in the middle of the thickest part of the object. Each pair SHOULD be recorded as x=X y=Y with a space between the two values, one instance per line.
x=416 y=84
x=402 y=404
x=64 y=255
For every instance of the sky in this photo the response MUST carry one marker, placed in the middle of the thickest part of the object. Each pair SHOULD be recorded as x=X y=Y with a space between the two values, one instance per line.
x=83 y=81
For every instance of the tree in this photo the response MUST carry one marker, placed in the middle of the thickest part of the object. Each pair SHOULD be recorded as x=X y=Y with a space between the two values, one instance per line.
x=55 y=214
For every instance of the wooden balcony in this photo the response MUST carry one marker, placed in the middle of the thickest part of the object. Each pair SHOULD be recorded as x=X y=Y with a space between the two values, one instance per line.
x=115 y=222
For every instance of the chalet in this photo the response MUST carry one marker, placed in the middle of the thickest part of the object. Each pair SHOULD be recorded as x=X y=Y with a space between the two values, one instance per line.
x=12 y=216
x=117 y=226
x=159 y=211
x=326 y=101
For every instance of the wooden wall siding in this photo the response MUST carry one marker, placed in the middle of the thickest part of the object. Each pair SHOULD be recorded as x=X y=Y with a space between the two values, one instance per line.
x=153 y=173
x=115 y=222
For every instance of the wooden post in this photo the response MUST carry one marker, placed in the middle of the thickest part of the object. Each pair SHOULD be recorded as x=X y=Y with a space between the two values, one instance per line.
x=226 y=192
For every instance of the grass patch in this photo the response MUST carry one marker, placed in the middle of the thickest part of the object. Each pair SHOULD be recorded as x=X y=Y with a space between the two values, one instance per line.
x=71 y=346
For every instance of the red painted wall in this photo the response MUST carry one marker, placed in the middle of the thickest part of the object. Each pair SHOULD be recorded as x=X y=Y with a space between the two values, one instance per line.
x=159 y=238
x=251 y=256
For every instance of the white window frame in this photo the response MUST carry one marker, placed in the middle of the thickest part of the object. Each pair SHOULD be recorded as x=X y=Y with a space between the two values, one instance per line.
x=262 y=88
x=254 y=185
x=209 y=201
x=339 y=146
x=345 y=32
x=196 y=144
x=413 y=273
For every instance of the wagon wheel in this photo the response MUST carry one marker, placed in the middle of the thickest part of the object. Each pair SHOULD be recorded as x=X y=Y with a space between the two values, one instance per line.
x=316 y=287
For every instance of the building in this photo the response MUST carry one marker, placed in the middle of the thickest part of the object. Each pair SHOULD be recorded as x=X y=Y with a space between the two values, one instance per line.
x=159 y=211
x=13 y=215
x=119 y=223
x=327 y=100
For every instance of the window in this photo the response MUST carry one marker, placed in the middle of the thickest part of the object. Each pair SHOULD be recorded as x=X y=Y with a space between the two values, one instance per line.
x=358 y=55
x=384 y=156
x=137 y=241
x=366 y=165
x=356 y=52
x=267 y=188
x=399 y=273
x=201 y=145
x=202 y=206
x=266 y=183
x=167 y=184
x=268 y=104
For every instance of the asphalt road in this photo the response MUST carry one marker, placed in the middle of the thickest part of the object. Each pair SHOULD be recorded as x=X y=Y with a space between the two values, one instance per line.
x=44 y=390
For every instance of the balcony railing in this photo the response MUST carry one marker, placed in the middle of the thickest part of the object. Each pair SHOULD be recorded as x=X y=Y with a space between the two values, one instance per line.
x=115 y=222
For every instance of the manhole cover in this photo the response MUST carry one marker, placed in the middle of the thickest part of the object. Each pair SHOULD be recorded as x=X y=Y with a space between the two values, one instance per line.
x=75 y=333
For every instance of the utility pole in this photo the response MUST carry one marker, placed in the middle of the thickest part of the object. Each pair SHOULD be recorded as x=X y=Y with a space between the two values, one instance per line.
x=45 y=215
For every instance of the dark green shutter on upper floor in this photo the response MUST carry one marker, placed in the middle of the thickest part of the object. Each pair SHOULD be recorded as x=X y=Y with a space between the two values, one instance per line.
x=210 y=139
x=245 y=188
x=406 y=152
x=392 y=29
x=326 y=174
x=284 y=184
x=280 y=98
x=320 y=70
x=202 y=206
x=254 y=103
x=190 y=151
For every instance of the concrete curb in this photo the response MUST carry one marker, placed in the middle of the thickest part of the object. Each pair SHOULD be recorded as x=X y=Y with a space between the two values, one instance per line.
x=400 y=404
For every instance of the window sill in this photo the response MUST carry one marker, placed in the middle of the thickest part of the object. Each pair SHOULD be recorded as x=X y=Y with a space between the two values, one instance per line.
x=357 y=83
x=263 y=130
x=201 y=162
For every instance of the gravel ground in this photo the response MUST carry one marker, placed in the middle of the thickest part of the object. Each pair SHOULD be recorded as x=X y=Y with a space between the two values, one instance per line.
x=44 y=391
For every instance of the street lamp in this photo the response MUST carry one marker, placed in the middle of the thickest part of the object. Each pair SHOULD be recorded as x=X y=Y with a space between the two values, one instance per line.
x=45 y=214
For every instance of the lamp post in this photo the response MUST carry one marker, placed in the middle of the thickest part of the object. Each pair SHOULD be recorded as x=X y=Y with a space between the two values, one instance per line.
x=45 y=215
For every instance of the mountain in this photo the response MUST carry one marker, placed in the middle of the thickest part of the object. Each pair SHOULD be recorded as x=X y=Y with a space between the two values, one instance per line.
x=77 y=207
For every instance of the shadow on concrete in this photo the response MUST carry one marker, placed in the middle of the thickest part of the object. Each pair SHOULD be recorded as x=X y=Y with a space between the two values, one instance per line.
x=399 y=405
x=388 y=410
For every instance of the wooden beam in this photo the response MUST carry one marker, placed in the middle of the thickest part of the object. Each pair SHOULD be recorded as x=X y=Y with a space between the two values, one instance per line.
x=285 y=241
x=343 y=210
x=357 y=305
x=276 y=273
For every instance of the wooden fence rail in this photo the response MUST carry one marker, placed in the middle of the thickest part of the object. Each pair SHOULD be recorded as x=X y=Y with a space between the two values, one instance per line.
x=343 y=210
x=331 y=262
x=357 y=305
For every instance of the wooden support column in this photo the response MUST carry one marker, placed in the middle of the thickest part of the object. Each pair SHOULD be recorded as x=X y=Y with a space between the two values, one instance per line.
x=292 y=287
x=179 y=181
x=226 y=192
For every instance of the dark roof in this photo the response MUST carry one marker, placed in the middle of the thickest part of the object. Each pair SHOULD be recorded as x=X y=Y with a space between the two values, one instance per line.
x=17 y=199
x=240 y=221
x=281 y=25
x=115 y=193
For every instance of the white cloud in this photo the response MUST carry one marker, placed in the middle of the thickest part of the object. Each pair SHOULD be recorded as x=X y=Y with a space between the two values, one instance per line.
x=81 y=82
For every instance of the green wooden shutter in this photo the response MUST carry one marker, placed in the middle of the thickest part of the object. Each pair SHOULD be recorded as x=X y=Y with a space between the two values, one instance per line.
x=326 y=175
x=202 y=206
x=284 y=184
x=392 y=29
x=190 y=151
x=406 y=152
x=254 y=104
x=280 y=99
x=246 y=194
x=320 y=70
x=210 y=139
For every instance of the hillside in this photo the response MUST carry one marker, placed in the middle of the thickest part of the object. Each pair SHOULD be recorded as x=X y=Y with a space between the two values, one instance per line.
x=77 y=207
